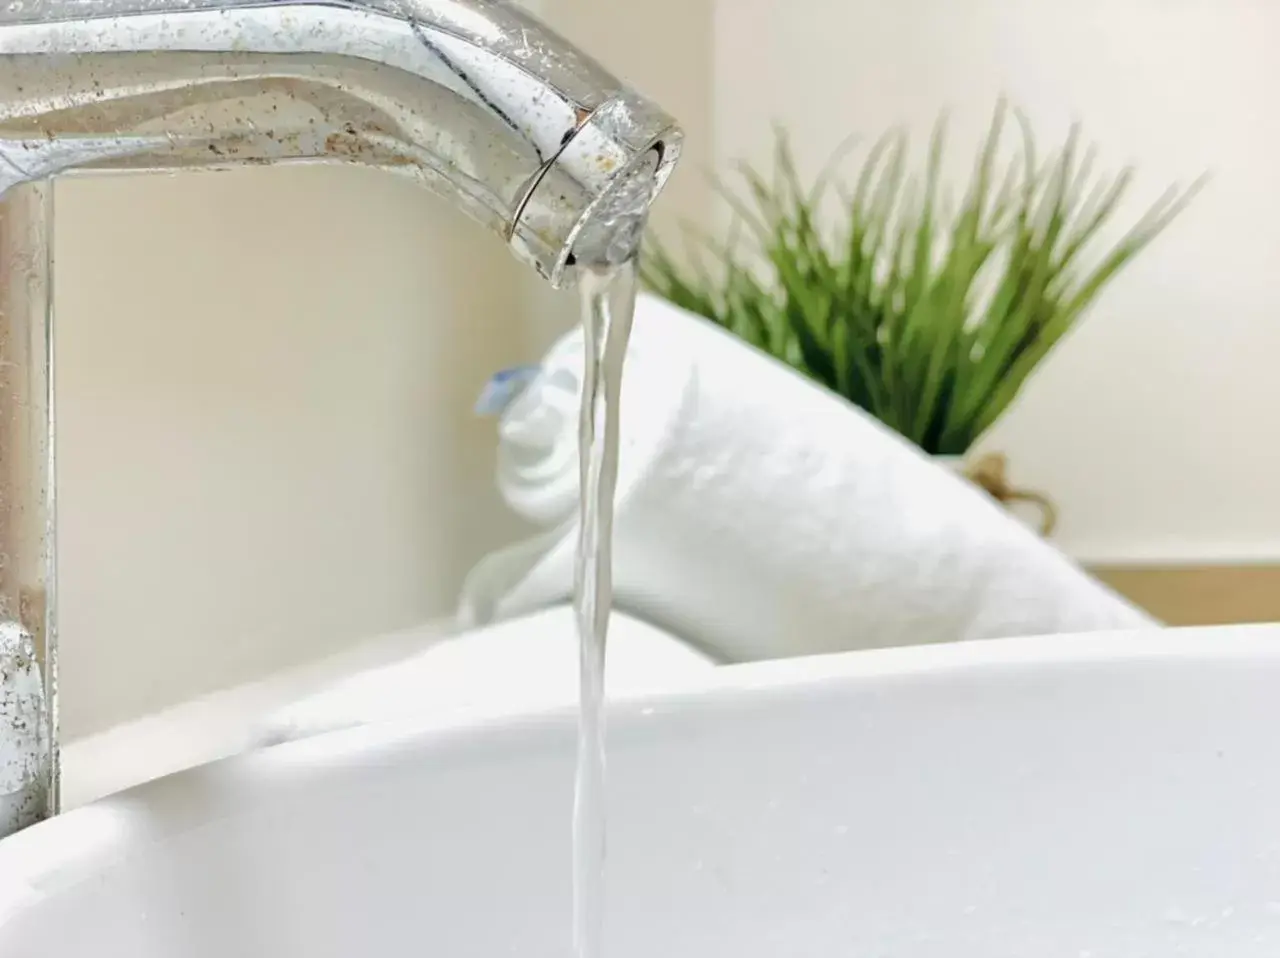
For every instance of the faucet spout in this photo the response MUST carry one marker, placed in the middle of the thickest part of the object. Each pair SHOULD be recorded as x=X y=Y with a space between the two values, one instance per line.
x=475 y=99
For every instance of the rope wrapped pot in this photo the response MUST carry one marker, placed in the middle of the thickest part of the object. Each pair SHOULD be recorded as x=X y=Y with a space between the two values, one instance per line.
x=991 y=473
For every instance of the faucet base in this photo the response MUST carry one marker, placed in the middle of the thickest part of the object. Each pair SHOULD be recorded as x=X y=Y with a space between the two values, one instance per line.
x=28 y=638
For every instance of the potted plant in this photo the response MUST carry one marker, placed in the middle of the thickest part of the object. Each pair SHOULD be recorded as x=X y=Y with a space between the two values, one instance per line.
x=932 y=319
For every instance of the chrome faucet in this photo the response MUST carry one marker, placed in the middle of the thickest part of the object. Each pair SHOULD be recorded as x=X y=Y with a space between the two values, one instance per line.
x=474 y=99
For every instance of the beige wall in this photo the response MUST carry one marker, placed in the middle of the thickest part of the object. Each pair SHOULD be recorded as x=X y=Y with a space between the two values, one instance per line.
x=1153 y=426
x=266 y=377
x=267 y=446
x=266 y=381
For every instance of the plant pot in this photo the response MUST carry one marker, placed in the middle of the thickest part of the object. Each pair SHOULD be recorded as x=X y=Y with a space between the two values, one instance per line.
x=990 y=473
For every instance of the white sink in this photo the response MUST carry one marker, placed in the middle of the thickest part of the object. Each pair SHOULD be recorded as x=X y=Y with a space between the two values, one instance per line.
x=1110 y=797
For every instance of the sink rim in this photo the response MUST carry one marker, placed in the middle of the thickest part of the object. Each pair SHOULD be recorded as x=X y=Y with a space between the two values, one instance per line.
x=88 y=841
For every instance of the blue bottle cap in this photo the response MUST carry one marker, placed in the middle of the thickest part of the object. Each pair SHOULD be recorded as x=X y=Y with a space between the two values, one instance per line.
x=504 y=388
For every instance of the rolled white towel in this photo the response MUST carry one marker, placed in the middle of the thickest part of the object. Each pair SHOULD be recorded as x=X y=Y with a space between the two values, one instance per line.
x=523 y=665
x=762 y=516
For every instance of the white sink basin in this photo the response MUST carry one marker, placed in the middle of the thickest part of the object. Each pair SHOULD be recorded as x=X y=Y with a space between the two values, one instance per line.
x=1110 y=797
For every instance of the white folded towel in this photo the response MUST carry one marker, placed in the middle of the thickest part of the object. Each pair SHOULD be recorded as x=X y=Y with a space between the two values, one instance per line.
x=523 y=665
x=761 y=516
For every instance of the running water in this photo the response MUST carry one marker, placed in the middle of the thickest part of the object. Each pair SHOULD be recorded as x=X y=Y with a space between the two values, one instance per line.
x=609 y=297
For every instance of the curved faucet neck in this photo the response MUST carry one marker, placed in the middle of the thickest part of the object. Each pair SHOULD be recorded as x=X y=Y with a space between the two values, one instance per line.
x=472 y=98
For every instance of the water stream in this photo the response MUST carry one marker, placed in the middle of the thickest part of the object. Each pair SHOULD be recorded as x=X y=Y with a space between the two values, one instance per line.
x=609 y=297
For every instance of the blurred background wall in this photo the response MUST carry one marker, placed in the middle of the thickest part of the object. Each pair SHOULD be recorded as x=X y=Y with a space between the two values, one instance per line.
x=266 y=382
x=266 y=377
